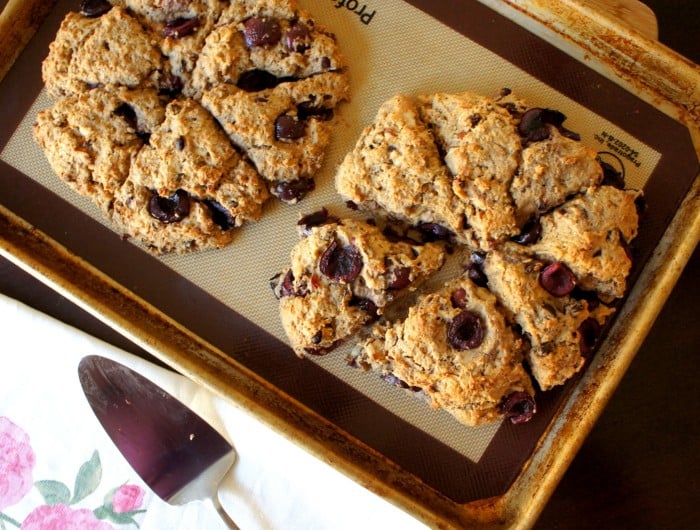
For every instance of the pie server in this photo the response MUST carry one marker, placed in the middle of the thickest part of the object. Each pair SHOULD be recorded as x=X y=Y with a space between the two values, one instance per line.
x=179 y=455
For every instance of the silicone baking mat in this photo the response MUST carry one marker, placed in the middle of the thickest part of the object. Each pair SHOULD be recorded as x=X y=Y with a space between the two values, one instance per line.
x=391 y=47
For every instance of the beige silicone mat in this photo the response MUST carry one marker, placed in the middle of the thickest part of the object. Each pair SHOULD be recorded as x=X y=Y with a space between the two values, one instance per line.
x=391 y=47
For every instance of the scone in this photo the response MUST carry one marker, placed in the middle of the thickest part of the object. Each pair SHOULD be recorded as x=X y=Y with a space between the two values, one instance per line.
x=550 y=172
x=456 y=347
x=110 y=50
x=182 y=27
x=343 y=273
x=591 y=234
x=91 y=138
x=560 y=329
x=481 y=148
x=188 y=188
x=397 y=168
x=273 y=77
x=284 y=130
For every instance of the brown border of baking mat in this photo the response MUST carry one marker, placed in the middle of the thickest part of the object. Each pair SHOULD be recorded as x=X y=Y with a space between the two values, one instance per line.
x=415 y=451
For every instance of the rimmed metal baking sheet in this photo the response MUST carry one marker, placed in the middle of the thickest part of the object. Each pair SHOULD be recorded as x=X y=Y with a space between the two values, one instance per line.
x=223 y=296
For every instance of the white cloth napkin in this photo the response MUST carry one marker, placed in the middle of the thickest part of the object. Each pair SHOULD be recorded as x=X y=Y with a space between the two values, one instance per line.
x=58 y=466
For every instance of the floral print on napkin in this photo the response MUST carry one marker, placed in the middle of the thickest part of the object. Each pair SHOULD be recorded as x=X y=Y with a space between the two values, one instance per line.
x=17 y=459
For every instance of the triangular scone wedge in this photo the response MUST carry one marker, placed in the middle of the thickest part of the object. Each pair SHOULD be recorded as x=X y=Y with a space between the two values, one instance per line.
x=396 y=167
x=343 y=274
x=552 y=170
x=481 y=146
x=188 y=188
x=456 y=347
x=590 y=234
x=560 y=329
x=284 y=130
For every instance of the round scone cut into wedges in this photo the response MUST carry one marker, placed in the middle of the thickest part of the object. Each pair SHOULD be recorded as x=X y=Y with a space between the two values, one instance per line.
x=456 y=347
x=343 y=273
x=251 y=88
x=547 y=229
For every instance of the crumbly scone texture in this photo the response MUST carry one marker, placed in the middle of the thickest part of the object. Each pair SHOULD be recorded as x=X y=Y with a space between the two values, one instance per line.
x=552 y=324
x=91 y=138
x=481 y=149
x=461 y=161
x=396 y=167
x=251 y=121
x=591 y=234
x=342 y=275
x=471 y=383
x=551 y=171
x=114 y=50
x=526 y=200
x=265 y=69
x=188 y=152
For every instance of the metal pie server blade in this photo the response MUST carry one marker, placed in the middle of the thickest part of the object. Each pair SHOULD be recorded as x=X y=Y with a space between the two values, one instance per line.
x=178 y=454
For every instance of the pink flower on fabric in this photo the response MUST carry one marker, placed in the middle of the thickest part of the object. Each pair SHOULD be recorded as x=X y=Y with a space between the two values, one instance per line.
x=62 y=517
x=16 y=463
x=127 y=498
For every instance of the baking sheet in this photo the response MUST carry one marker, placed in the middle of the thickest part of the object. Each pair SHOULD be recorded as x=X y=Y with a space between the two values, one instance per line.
x=223 y=295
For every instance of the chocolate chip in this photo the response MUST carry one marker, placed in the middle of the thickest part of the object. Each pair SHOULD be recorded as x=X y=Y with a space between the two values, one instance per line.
x=474 y=119
x=466 y=331
x=289 y=128
x=297 y=38
x=519 y=407
x=261 y=31
x=341 y=264
x=171 y=209
x=128 y=113
x=180 y=27
x=557 y=279
x=94 y=8
x=307 y=110
x=180 y=143
x=325 y=63
x=531 y=232
x=292 y=191
x=220 y=215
